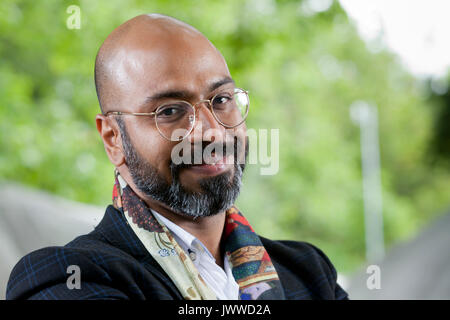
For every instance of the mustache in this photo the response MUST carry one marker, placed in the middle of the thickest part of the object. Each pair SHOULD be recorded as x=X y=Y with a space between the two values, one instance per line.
x=206 y=152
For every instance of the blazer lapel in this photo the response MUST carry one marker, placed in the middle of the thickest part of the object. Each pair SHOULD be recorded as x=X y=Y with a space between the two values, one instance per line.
x=118 y=233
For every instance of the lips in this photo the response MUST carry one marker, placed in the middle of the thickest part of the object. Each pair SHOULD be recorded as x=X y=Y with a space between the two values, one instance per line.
x=213 y=165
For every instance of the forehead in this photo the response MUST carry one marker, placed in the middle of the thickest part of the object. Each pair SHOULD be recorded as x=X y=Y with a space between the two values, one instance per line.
x=183 y=61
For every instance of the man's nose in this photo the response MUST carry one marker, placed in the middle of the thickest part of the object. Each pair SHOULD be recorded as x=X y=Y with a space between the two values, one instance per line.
x=206 y=127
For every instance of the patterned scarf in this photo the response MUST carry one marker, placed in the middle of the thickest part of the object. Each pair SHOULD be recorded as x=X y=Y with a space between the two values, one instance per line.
x=251 y=265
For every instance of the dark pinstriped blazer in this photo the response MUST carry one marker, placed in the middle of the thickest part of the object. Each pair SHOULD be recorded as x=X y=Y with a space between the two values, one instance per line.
x=114 y=264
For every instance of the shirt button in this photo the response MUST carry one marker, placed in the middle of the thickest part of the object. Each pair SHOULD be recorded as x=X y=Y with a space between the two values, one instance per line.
x=192 y=254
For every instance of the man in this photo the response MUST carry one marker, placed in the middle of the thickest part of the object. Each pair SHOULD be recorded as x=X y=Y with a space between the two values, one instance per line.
x=171 y=113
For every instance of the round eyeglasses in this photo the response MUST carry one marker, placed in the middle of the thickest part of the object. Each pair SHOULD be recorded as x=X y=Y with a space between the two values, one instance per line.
x=175 y=120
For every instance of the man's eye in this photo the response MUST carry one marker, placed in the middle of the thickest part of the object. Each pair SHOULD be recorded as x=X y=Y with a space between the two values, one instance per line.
x=172 y=113
x=169 y=111
x=221 y=99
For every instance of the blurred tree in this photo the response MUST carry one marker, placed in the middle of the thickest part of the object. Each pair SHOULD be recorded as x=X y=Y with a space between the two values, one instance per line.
x=303 y=66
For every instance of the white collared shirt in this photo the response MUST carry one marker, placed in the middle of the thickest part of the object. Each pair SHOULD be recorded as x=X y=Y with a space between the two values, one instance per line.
x=218 y=280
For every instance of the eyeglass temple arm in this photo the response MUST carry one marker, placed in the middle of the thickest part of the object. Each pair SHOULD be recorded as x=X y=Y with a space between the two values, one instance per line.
x=119 y=113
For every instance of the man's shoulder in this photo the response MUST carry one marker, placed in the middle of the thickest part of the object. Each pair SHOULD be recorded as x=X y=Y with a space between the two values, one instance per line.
x=45 y=267
x=296 y=251
x=289 y=244
x=304 y=270
x=109 y=267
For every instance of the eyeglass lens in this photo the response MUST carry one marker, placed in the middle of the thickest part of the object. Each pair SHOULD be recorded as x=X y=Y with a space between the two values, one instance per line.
x=176 y=120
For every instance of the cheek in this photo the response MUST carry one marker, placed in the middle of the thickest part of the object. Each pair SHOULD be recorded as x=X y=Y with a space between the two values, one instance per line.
x=163 y=159
x=159 y=157
x=153 y=148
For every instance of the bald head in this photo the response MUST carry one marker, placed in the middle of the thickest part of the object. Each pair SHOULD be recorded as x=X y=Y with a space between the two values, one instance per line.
x=147 y=52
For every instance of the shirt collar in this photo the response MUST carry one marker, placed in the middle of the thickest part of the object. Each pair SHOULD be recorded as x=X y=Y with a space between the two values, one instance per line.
x=188 y=241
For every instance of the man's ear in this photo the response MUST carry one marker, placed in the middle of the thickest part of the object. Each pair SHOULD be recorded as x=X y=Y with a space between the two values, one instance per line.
x=111 y=140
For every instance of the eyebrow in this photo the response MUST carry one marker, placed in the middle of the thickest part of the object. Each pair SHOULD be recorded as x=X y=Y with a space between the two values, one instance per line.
x=183 y=94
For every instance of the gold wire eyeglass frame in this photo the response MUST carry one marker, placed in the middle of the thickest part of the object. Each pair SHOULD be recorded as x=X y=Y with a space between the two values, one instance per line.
x=193 y=106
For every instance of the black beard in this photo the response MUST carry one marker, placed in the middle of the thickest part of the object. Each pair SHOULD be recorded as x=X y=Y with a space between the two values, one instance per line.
x=218 y=193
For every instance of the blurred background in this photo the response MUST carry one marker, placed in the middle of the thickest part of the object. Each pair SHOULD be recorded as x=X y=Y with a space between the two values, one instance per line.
x=358 y=91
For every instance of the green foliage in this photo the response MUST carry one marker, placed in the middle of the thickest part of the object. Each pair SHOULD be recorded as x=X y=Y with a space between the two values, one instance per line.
x=303 y=72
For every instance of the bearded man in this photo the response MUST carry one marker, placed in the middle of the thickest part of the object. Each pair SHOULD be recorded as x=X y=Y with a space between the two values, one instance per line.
x=173 y=124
